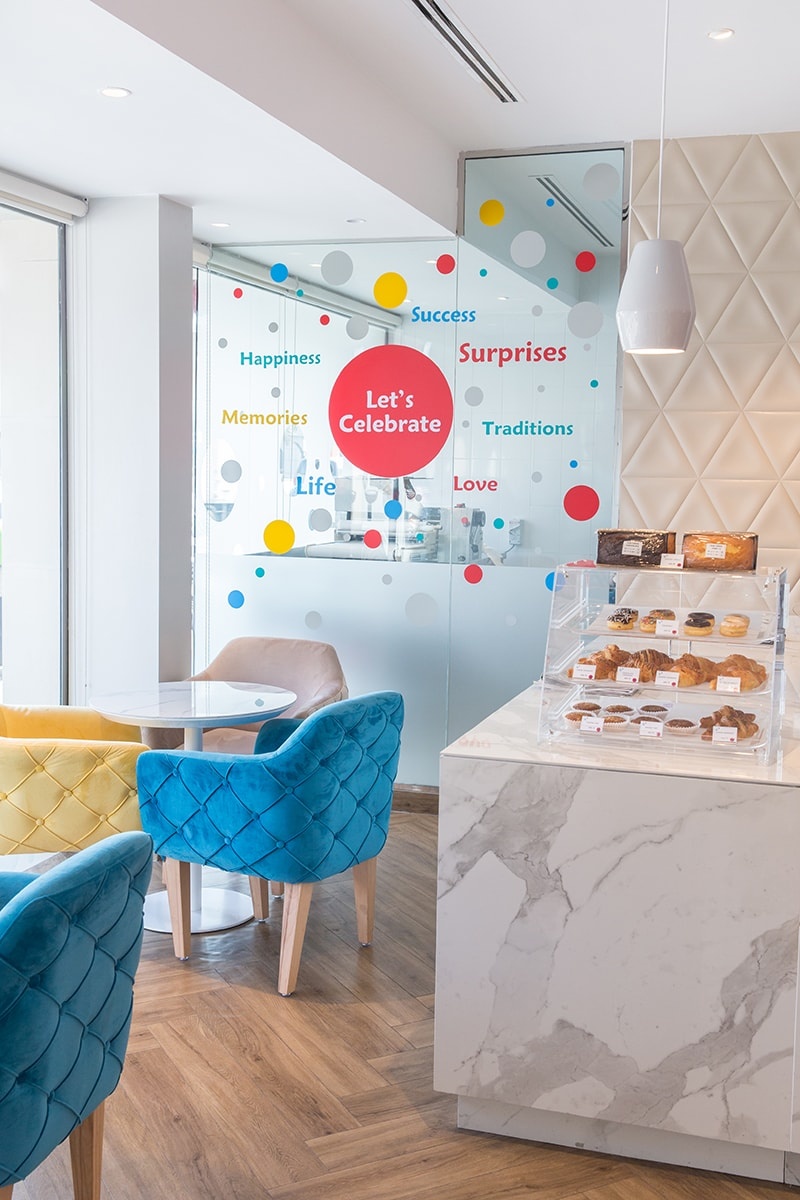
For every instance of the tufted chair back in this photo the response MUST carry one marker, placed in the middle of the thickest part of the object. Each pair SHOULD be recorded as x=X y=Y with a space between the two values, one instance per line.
x=69 y=948
x=309 y=669
x=315 y=802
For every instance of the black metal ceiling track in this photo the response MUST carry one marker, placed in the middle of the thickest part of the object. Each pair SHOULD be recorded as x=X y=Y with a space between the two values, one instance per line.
x=550 y=185
x=447 y=29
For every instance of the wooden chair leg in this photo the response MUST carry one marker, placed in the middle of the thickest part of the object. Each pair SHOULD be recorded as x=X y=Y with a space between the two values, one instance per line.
x=277 y=887
x=296 y=901
x=86 y=1155
x=259 y=891
x=364 y=875
x=177 y=879
x=5 y=1192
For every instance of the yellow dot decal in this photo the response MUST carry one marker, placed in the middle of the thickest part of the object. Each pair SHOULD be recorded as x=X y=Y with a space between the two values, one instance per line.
x=279 y=537
x=390 y=289
x=491 y=212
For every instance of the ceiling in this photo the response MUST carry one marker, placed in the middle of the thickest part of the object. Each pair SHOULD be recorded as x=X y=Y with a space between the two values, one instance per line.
x=585 y=71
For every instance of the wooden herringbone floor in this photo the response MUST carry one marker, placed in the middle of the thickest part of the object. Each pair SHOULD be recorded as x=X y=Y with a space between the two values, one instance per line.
x=232 y=1093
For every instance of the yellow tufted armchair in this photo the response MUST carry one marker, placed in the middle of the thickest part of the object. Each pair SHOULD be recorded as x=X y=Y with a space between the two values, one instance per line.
x=67 y=779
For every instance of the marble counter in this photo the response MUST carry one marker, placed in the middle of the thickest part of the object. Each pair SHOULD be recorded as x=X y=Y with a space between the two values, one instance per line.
x=617 y=946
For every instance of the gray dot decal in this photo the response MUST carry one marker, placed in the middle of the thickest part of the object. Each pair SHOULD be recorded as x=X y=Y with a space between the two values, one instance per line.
x=275 y=392
x=231 y=471
x=222 y=343
x=601 y=181
x=473 y=396
x=537 y=476
x=320 y=520
x=528 y=248
x=537 y=310
x=387 y=579
x=313 y=620
x=357 y=328
x=421 y=609
x=337 y=267
x=273 y=327
x=585 y=319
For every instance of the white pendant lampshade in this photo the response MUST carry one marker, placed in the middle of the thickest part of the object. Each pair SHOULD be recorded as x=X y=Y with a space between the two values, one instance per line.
x=656 y=311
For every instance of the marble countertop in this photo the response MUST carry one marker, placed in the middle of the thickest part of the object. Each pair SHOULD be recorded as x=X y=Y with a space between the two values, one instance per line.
x=511 y=734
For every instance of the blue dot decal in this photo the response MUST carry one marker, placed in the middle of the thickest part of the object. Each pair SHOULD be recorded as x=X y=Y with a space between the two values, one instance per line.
x=594 y=383
x=483 y=272
x=279 y=272
x=573 y=463
x=554 y=581
x=498 y=522
x=235 y=599
x=552 y=283
x=300 y=292
x=550 y=202
x=393 y=509
x=260 y=572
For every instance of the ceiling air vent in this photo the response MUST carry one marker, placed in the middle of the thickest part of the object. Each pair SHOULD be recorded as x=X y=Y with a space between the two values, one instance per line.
x=459 y=41
x=554 y=189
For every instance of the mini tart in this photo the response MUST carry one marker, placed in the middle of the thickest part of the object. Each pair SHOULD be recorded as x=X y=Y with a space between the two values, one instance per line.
x=614 y=723
x=586 y=706
x=576 y=717
x=654 y=710
x=644 y=719
x=623 y=710
x=680 y=726
x=734 y=625
x=623 y=618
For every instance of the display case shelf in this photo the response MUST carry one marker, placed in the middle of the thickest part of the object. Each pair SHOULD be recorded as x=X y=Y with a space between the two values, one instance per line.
x=722 y=693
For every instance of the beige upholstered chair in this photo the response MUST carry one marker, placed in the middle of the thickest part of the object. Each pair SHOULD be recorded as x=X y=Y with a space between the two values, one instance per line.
x=309 y=669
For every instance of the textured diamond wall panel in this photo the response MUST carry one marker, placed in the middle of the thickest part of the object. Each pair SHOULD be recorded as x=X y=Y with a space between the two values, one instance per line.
x=711 y=438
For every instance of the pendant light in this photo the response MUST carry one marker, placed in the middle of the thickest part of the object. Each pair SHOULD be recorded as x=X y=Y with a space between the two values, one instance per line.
x=655 y=312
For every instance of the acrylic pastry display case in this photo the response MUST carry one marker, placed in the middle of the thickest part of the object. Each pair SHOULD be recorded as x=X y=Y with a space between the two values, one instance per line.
x=664 y=657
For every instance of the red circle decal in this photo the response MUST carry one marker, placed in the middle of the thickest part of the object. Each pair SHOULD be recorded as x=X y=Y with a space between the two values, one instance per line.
x=390 y=411
x=445 y=263
x=473 y=573
x=585 y=261
x=372 y=539
x=581 y=503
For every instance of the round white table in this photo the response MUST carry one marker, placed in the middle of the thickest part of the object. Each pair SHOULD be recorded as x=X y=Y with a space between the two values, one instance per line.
x=194 y=705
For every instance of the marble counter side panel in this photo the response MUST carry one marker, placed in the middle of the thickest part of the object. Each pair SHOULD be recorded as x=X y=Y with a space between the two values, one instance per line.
x=619 y=946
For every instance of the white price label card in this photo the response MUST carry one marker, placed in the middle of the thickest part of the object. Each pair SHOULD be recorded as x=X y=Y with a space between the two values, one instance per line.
x=724 y=735
x=632 y=548
x=668 y=679
x=628 y=674
x=729 y=683
x=671 y=560
x=651 y=729
x=666 y=629
x=584 y=671
x=591 y=724
x=716 y=550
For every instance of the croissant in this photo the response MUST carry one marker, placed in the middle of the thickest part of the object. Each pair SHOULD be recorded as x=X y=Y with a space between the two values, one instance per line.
x=694 y=670
x=731 y=718
x=648 y=663
x=751 y=674
x=612 y=653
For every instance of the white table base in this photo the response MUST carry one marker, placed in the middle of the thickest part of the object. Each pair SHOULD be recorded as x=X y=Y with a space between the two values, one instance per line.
x=213 y=908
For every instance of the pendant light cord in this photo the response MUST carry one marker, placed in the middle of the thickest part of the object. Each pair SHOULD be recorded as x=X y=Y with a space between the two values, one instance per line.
x=663 y=112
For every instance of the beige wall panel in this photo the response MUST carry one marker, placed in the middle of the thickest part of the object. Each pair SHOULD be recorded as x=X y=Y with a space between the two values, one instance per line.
x=711 y=439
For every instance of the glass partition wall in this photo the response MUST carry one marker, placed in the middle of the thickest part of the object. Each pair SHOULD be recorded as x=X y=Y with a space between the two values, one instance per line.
x=32 y=457
x=397 y=444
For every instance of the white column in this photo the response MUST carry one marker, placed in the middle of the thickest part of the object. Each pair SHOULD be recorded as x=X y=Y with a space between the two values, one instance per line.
x=131 y=445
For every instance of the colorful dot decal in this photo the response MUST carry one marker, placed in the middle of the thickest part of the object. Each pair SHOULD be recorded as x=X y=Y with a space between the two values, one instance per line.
x=573 y=463
x=473 y=573
x=299 y=292
x=279 y=272
x=554 y=581
x=593 y=383
x=324 y=319
x=549 y=201
x=465 y=520
x=390 y=290
x=528 y=248
x=235 y=599
x=279 y=537
x=581 y=503
x=231 y=471
x=585 y=261
x=483 y=272
x=491 y=212
x=445 y=264
x=498 y=522
x=336 y=267
x=260 y=572
x=372 y=539
x=552 y=283
x=393 y=509
x=238 y=293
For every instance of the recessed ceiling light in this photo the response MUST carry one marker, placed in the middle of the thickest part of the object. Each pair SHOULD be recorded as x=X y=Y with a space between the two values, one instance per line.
x=720 y=35
x=356 y=220
x=115 y=93
x=220 y=224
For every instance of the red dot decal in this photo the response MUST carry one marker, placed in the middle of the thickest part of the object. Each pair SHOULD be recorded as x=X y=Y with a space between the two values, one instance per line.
x=324 y=319
x=585 y=261
x=238 y=293
x=473 y=573
x=445 y=263
x=390 y=411
x=581 y=503
x=372 y=539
